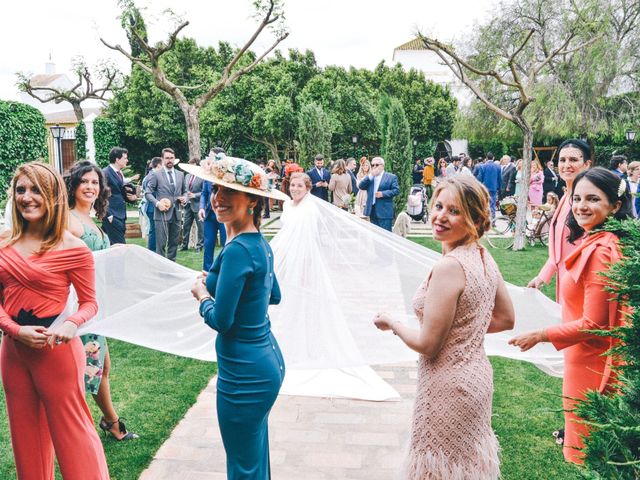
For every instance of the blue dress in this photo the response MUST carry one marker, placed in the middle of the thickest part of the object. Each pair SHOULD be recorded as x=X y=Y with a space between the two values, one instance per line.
x=250 y=364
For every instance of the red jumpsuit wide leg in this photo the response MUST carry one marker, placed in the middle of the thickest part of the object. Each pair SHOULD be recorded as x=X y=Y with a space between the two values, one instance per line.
x=49 y=384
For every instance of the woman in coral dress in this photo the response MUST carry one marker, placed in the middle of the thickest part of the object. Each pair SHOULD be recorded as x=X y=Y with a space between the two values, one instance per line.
x=462 y=299
x=597 y=194
x=42 y=366
x=535 y=184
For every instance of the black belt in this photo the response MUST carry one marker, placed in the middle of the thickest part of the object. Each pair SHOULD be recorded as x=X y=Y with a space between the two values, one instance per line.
x=25 y=318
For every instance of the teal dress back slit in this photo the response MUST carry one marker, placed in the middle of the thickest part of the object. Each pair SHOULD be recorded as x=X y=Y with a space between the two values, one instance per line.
x=250 y=365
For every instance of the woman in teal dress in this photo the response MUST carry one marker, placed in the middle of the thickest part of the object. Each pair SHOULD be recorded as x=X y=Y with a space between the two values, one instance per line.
x=87 y=190
x=234 y=299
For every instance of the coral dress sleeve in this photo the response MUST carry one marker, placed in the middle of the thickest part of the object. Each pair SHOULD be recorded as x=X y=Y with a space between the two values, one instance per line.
x=7 y=325
x=595 y=309
x=548 y=271
x=235 y=267
x=83 y=279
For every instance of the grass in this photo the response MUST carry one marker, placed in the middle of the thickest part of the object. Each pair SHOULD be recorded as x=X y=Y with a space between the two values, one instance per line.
x=154 y=390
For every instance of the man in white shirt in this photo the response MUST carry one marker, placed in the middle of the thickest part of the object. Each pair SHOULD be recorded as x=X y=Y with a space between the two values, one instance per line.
x=381 y=189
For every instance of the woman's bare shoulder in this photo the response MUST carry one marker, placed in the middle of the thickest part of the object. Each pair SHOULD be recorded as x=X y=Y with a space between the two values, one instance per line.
x=75 y=226
x=69 y=240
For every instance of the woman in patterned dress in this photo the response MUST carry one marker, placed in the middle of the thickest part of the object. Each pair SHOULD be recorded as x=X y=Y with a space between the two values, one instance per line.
x=87 y=190
x=462 y=298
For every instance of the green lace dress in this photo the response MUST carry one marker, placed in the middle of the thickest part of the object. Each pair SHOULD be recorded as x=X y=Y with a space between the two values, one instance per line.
x=95 y=346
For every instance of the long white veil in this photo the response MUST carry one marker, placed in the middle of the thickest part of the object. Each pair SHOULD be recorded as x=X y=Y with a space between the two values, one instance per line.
x=335 y=271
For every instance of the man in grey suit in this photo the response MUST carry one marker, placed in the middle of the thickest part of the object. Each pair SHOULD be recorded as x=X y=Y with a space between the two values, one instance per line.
x=192 y=190
x=165 y=190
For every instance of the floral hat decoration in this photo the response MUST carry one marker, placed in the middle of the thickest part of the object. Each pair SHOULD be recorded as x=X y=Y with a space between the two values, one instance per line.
x=236 y=173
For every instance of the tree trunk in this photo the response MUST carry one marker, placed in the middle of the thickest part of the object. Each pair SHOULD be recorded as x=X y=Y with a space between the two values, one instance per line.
x=192 y=119
x=523 y=198
x=77 y=109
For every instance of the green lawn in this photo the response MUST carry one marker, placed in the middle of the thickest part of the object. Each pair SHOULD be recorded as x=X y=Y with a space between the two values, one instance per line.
x=154 y=390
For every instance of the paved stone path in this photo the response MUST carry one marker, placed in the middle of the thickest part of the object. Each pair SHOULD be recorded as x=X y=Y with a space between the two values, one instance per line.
x=310 y=438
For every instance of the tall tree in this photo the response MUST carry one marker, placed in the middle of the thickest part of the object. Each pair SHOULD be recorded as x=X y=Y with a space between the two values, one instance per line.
x=93 y=85
x=150 y=60
x=396 y=148
x=510 y=54
x=314 y=132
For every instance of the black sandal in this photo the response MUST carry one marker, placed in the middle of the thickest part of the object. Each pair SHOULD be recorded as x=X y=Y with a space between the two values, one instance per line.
x=107 y=426
x=559 y=436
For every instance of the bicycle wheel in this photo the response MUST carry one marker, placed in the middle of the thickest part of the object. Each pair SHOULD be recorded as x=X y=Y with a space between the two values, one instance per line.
x=499 y=237
x=502 y=225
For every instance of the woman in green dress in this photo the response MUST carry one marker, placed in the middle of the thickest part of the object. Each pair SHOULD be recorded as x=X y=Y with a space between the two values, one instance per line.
x=88 y=191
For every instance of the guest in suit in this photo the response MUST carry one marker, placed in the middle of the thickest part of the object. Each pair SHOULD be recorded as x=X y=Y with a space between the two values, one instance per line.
x=508 y=186
x=550 y=182
x=618 y=165
x=147 y=207
x=193 y=191
x=340 y=185
x=587 y=305
x=165 y=191
x=381 y=188
x=454 y=166
x=490 y=175
x=417 y=172
x=351 y=170
x=320 y=178
x=114 y=222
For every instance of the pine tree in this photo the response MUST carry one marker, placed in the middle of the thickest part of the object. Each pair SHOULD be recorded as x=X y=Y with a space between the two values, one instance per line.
x=314 y=133
x=612 y=450
x=396 y=148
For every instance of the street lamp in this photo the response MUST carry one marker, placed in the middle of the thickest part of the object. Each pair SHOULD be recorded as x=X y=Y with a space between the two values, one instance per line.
x=57 y=133
x=354 y=141
x=630 y=135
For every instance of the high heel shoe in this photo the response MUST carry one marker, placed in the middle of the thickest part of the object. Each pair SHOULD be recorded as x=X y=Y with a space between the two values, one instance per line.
x=107 y=426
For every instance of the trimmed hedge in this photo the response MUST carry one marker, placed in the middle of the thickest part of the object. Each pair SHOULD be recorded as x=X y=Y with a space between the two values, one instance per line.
x=107 y=133
x=23 y=138
x=81 y=141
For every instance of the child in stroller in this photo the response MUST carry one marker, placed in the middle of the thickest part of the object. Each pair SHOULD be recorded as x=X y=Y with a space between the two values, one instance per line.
x=416 y=203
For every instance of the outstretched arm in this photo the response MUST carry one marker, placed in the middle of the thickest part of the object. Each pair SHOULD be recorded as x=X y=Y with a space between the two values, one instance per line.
x=439 y=312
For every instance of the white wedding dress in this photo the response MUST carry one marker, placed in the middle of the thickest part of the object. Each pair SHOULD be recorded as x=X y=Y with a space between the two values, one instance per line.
x=336 y=272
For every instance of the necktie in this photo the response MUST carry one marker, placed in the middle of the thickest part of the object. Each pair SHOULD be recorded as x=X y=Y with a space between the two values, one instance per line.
x=171 y=181
x=191 y=181
x=120 y=176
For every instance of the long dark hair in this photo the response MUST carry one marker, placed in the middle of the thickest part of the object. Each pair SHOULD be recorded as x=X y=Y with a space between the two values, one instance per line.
x=609 y=183
x=73 y=179
x=257 y=211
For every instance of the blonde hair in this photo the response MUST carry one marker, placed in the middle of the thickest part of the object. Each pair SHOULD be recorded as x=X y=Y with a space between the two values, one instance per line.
x=305 y=178
x=363 y=162
x=632 y=166
x=54 y=196
x=473 y=199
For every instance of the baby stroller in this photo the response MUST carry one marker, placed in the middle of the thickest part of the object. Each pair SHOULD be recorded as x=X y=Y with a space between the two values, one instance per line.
x=416 y=204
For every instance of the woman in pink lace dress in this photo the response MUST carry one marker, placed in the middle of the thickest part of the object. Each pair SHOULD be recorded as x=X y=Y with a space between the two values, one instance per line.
x=462 y=298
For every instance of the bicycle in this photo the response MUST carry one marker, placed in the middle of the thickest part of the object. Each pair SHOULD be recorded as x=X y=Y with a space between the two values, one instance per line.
x=503 y=228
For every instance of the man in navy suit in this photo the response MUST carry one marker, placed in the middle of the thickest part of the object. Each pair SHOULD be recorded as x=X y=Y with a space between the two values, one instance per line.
x=351 y=170
x=210 y=221
x=490 y=174
x=381 y=188
x=114 y=222
x=319 y=179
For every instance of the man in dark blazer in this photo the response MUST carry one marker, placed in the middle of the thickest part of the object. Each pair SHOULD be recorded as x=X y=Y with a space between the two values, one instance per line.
x=165 y=191
x=351 y=170
x=114 y=222
x=550 y=182
x=320 y=179
x=508 y=186
x=381 y=188
x=192 y=190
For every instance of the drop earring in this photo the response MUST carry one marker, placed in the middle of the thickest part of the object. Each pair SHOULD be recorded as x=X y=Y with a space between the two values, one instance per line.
x=250 y=210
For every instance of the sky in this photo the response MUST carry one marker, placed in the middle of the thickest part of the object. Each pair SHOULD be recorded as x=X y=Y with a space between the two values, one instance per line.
x=340 y=32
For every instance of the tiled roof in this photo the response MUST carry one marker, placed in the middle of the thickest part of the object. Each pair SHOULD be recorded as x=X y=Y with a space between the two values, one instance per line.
x=415 y=44
x=44 y=80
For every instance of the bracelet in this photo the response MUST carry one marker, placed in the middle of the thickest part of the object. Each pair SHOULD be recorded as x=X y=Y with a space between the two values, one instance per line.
x=203 y=298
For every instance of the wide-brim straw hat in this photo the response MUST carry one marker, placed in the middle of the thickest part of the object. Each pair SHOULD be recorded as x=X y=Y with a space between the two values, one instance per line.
x=237 y=174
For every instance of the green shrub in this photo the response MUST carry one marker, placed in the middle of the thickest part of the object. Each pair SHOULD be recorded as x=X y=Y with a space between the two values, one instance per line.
x=23 y=138
x=612 y=449
x=106 y=135
x=81 y=141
